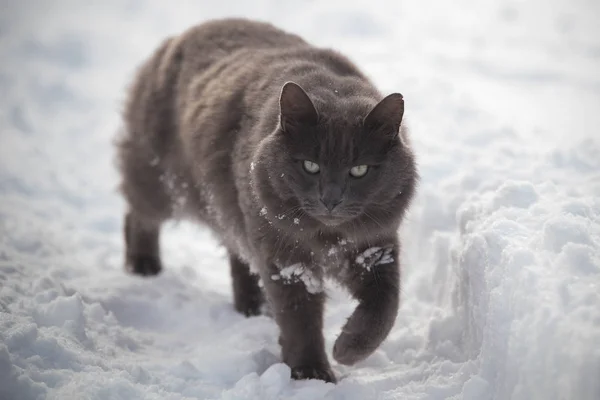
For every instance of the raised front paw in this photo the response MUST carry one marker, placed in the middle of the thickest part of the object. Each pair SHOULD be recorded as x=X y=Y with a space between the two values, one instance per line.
x=366 y=328
x=352 y=347
x=310 y=372
x=143 y=265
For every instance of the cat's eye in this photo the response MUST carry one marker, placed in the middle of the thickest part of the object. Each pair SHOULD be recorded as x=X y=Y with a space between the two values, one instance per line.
x=311 y=167
x=359 y=171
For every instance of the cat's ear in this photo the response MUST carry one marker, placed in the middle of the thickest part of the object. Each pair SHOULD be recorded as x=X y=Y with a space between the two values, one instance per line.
x=387 y=113
x=295 y=107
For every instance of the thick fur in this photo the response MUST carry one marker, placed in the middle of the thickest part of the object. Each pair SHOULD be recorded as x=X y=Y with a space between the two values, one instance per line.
x=211 y=135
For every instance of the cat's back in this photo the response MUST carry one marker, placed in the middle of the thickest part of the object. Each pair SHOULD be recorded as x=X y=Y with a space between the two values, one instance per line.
x=161 y=88
x=202 y=47
x=207 y=43
x=171 y=69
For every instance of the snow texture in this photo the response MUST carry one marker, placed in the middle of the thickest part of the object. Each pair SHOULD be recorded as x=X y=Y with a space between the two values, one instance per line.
x=300 y=273
x=500 y=252
x=373 y=257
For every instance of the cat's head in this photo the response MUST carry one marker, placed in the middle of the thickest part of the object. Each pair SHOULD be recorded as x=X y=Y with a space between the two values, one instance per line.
x=338 y=161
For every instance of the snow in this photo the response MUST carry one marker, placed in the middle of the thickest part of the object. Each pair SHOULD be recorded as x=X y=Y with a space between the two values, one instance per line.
x=299 y=272
x=500 y=252
x=374 y=256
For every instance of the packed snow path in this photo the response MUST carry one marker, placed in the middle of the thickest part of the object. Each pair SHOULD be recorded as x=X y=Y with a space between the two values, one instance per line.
x=501 y=295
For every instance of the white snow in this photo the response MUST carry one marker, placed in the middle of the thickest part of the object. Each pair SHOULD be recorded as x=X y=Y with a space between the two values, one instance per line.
x=386 y=257
x=299 y=272
x=374 y=256
x=500 y=252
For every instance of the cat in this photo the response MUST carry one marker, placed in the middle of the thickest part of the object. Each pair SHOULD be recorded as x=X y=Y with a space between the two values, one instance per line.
x=292 y=157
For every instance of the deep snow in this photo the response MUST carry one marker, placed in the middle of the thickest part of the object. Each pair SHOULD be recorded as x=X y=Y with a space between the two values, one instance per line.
x=501 y=295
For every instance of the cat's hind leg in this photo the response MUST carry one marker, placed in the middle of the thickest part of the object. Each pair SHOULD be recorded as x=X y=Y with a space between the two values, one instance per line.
x=248 y=298
x=142 y=252
x=149 y=203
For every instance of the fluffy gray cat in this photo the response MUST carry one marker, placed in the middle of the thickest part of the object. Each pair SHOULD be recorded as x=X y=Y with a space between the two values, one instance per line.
x=293 y=158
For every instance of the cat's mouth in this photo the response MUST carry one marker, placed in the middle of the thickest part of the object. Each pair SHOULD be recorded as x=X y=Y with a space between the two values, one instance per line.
x=329 y=219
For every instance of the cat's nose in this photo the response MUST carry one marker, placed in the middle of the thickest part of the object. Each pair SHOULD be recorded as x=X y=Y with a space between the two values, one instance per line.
x=330 y=201
x=332 y=194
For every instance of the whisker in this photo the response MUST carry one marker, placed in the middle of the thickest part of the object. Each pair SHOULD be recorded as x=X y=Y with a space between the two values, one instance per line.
x=376 y=221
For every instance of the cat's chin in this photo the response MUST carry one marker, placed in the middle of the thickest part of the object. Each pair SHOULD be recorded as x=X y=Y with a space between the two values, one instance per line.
x=331 y=221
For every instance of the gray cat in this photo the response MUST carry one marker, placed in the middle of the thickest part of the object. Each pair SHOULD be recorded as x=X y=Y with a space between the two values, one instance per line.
x=296 y=162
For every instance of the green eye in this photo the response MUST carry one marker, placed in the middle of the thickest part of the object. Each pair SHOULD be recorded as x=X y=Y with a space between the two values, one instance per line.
x=359 y=171
x=311 y=167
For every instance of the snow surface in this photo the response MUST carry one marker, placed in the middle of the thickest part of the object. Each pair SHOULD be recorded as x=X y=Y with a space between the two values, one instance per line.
x=501 y=294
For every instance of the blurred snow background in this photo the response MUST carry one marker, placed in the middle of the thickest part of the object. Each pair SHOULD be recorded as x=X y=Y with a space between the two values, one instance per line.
x=501 y=296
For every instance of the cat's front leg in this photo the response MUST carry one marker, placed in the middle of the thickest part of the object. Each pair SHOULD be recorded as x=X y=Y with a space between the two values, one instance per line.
x=374 y=280
x=297 y=300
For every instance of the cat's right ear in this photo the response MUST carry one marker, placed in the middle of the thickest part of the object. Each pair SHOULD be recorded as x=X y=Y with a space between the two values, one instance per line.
x=295 y=107
x=387 y=113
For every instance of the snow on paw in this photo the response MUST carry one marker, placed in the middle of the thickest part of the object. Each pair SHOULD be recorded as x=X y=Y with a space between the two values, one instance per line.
x=374 y=256
x=300 y=273
x=323 y=373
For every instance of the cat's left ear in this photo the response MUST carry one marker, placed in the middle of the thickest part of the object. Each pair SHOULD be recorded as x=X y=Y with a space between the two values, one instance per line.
x=387 y=113
x=296 y=108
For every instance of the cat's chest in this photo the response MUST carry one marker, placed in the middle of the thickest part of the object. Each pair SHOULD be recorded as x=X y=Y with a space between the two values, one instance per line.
x=334 y=257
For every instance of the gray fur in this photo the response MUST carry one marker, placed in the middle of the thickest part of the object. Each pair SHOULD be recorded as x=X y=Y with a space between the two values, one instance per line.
x=214 y=133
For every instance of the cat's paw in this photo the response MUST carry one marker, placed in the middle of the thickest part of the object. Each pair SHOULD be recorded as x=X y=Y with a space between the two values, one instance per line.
x=352 y=347
x=143 y=265
x=249 y=302
x=250 y=308
x=364 y=331
x=309 y=372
